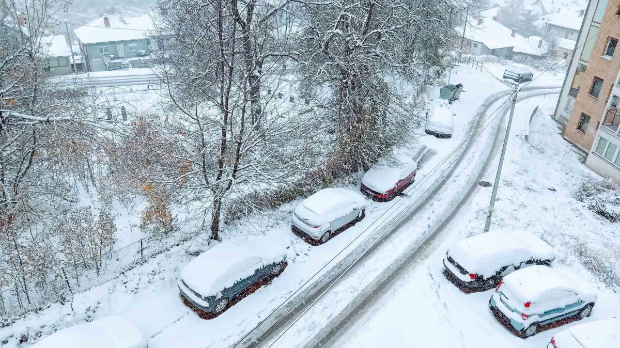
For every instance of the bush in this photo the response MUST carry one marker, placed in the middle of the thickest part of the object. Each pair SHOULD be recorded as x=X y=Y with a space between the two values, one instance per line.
x=602 y=197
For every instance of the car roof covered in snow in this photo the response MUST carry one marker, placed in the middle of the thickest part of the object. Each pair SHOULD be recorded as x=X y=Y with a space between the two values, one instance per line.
x=530 y=283
x=110 y=332
x=595 y=334
x=440 y=118
x=329 y=204
x=224 y=264
x=384 y=175
x=519 y=69
x=485 y=253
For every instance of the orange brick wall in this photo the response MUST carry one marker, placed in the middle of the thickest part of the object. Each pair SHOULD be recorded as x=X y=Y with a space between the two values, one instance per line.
x=602 y=68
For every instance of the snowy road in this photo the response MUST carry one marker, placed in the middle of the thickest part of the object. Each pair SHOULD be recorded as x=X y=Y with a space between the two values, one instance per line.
x=420 y=308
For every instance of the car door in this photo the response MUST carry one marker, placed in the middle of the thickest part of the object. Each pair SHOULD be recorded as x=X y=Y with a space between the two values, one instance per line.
x=341 y=221
x=559 y=304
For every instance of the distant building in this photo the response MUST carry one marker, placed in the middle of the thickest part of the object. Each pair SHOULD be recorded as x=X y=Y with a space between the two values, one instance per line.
x=56 y=55
x=589 y=103
x=487 y=36
x=565 y=49
x=115 y=42
x=533 y=47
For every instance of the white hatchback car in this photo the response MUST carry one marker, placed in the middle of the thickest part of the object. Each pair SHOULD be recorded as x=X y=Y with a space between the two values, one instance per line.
x=439 y=119
x=326 y=213
x=537 y=298
x=477 y=263
x=595 y=334
x=111 y=332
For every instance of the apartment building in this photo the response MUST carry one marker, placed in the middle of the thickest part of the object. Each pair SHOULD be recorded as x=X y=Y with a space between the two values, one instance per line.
x=589 y=99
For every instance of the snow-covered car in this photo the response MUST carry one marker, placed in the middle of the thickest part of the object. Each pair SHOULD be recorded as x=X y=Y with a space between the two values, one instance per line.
x=477 y=263
x=439 y=119
x=518 y=73
x=536 y=298
x=225 y=274
x=595 y=334
x=327 y=213
x=384 y=181
x=110 y=332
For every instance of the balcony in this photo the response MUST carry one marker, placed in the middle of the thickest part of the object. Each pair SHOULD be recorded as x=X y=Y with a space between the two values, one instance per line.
x=612 y=120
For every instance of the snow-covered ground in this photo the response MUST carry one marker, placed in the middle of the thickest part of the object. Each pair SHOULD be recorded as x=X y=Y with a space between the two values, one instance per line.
x=148 y=296
x=539 y=181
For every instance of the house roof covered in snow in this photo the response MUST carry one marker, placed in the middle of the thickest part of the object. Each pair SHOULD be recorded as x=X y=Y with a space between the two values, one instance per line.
x=120 y=29
x=565 y=19
x=491 y=33
x=55 y=46
x=490 y=13
x=567 y=44
x=533 y=45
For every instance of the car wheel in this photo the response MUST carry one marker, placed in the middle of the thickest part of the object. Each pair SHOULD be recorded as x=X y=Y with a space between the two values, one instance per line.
x=585 y=312
x=221 y=305
x=325 y=237
x=277 y=269
x=530 y=331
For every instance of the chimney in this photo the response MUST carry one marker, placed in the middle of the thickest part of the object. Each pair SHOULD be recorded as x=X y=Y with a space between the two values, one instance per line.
x=21 y=19
x=514 y=33
x=480 y=21
x=540 y=43
x=106 y=21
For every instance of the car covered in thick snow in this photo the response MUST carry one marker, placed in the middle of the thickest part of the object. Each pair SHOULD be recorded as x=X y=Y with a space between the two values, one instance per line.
x=110 y=332
x=439 y=119
x=479 y=262
x=385 y=180
x=327 y=213
x=536 y=298
x=595 y=334
x=225 y=274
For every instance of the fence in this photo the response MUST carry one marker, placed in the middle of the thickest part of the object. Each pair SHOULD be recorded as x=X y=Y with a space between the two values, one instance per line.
x=468 y=60
x=15 y=300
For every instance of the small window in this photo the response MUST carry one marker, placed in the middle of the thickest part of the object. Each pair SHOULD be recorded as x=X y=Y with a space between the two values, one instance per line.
x=611 y=47
x=611 y=151
x=133 y=48
x=148 y=42
x=601 y=146
x=597 y=85
x=103 y=50
x=582 y=126
x=475 y=44
x=617 y=162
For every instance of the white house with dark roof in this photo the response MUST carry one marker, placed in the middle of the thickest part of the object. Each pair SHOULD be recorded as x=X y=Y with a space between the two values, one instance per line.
x=485 y=36
x=116 y=42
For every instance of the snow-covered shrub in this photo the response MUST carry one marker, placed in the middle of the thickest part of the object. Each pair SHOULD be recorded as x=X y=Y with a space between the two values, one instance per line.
x=602 y=197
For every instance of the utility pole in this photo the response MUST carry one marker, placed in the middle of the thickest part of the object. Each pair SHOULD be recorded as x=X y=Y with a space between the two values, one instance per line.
x=70 y=47
x=465 y=28
x=501 y=160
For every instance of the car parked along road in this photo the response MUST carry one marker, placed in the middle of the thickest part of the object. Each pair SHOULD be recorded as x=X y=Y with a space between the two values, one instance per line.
x=595 y=334
x=537 y=298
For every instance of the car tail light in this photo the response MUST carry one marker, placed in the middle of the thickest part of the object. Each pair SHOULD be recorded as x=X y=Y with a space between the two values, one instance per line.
x=499 y=284
x=472 y=276
x=527 y=305
x=316 y=226
x=553 y=342
x=524 y=316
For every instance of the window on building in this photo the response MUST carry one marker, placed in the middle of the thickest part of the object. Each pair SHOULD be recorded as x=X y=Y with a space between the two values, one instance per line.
x=148 y=42
x=475 y=44
x=570 y=103
x=611 y=47
x=617 y=162
x=597 y=85
x=104 y=50
x=610 y=152
x=133 y=48
x=601 y=146
x=584 y=119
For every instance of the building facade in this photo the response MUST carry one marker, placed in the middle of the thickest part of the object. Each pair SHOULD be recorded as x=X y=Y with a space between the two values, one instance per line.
x=590 y=96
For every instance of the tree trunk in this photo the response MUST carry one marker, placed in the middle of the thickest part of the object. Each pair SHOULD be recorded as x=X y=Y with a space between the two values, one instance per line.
x=215 y=219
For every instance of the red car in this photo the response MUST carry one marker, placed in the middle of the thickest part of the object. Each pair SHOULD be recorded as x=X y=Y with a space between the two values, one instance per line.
x=384 y=180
